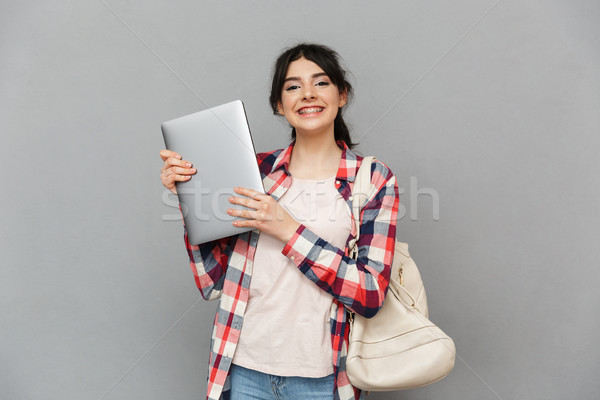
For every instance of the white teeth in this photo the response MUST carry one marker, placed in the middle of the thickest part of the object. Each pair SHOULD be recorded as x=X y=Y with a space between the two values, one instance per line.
x=310 y=110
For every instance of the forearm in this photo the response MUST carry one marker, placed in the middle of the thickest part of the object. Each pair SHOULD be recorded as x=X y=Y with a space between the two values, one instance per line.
x=359 y=284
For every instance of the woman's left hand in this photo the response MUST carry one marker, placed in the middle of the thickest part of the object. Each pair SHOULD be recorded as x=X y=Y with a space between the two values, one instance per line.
x=264 y=214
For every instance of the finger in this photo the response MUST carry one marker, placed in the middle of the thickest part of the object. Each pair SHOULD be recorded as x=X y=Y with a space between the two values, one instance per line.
x=175 y=162
x=182 y=171
x=248 y=214
x=170 y=177
x=164 y=154
x=253 y=194
x=182 y=178
x=245 y=223
x=244 y=201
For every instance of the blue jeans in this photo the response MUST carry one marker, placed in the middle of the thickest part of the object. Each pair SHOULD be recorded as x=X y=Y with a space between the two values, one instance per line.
x=250 y=384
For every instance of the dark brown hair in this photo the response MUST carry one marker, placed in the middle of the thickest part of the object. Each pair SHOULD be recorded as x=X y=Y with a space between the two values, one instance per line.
x=329 y=61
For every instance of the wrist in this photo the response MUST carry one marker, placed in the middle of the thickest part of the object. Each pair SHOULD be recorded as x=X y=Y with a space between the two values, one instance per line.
x=288 y=233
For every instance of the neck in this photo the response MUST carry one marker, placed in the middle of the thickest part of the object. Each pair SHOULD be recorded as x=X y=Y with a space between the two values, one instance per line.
x=315 y=157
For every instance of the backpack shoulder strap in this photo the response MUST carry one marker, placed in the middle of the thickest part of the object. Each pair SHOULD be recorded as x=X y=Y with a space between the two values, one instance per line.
x=360 y=193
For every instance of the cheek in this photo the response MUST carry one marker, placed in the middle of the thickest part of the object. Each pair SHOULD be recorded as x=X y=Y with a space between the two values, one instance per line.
x=287 y=103
x=335 y=97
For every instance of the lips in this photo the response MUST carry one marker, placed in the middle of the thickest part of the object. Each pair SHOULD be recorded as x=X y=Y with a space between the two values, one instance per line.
x=310 y=110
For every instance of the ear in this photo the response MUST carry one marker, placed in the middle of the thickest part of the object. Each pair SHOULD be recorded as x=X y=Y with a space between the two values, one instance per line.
x=343 y=99
x=280 y=108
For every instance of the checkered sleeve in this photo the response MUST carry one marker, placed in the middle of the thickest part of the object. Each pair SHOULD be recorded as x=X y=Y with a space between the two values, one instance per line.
x=208 y=262
x=359 y=284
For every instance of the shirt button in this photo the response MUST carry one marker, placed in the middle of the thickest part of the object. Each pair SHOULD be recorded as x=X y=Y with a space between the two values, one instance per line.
x=293 y=258
x=337 y=182
x=350 y=198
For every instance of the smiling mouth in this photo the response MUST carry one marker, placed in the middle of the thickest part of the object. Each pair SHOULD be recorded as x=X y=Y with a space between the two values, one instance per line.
x=310 y=110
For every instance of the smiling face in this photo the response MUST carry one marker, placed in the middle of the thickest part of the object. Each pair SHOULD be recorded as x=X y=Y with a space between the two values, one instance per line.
x=309 y=100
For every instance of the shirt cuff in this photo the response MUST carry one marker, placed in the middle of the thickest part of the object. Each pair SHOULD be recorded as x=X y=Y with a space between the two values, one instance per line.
x=297 y=248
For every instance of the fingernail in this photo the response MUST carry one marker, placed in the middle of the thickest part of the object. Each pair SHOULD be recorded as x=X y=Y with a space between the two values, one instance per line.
x=193 y=170
x=188 y=164
x=177 y=156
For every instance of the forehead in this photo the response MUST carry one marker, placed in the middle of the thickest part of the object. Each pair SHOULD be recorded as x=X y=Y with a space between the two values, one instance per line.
x=303 y=67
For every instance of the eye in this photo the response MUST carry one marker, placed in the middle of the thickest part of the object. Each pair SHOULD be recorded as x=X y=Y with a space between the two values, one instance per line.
x=292 y=87
x=323 y=83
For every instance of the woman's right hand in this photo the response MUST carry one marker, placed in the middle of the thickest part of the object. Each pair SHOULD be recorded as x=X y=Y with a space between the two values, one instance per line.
x=174 y=169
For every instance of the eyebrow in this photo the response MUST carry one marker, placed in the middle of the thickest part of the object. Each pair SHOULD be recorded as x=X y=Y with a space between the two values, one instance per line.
x=297 y=78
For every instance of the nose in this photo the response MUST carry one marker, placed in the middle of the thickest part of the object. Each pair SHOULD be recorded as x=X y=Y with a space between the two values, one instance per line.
x=308 y=92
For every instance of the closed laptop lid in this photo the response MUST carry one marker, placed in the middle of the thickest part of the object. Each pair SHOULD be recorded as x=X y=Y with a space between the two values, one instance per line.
x=218 y=143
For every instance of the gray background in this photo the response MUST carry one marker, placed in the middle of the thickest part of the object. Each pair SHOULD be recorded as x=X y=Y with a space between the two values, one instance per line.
x=491 y=105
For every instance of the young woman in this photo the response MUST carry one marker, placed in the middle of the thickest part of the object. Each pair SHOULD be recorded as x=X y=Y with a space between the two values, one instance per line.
x=285 y=288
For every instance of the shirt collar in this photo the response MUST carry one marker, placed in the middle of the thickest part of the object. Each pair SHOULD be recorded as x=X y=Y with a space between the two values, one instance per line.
x=349 y=163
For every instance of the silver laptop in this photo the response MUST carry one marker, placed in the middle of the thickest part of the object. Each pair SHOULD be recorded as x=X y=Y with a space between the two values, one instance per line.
x=217 y=142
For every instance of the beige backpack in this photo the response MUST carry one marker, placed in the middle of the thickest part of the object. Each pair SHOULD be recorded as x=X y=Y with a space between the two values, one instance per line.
x=399 y=348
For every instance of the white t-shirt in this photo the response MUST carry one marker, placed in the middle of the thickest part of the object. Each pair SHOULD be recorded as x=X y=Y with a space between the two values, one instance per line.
x=286 y=328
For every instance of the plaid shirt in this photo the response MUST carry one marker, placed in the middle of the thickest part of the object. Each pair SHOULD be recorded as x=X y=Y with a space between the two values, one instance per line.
x=223 y=268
